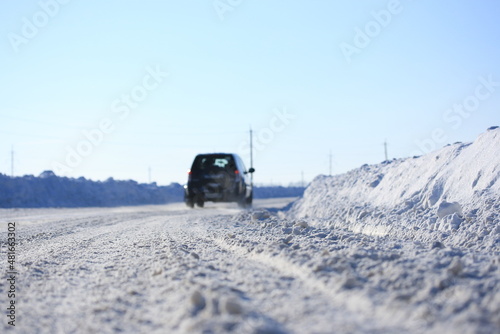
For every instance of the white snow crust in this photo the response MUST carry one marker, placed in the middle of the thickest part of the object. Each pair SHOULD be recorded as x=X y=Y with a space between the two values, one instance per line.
x=451 y=196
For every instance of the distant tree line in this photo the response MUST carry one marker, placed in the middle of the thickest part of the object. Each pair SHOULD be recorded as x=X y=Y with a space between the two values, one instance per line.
x=51 y=191
x=277 y=191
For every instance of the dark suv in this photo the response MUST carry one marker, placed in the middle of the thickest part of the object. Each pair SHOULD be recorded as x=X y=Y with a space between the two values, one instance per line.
x=218 y=177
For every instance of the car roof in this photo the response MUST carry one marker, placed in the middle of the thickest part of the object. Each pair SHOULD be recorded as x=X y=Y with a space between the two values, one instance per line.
x=212 y=154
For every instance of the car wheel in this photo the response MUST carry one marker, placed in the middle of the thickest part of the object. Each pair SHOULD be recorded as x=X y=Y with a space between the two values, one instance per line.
x=249 y=200
x=200 y=203
x=245 y=202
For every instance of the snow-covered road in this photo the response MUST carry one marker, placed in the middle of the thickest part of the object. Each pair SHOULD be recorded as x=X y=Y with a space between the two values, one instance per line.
x=167 y=269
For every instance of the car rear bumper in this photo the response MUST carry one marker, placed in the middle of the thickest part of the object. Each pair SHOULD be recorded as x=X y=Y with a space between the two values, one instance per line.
x=210 y=192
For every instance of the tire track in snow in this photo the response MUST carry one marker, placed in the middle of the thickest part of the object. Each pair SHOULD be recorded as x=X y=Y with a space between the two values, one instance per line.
x=323 y=304
x=130 y=272
x=389 y=283
x=70 y=272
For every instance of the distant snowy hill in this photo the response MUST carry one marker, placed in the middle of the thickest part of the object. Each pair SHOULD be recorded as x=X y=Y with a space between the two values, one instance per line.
x=49 y=190
x=451 y=195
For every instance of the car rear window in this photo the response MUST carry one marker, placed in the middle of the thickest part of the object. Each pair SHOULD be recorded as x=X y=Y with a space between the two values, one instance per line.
x=208 y=163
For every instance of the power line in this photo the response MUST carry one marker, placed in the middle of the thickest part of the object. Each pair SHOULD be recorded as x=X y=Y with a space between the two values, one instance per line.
x=385 y=150
x=44 y=122
x=31 y=135
x=330 y=156
x=12 y=161
x=251 y=155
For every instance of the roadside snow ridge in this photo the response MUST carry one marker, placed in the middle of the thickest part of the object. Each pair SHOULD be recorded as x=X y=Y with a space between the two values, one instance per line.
x=450 y=195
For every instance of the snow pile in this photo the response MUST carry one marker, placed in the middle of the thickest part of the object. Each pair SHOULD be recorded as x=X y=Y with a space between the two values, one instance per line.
x=451 y=195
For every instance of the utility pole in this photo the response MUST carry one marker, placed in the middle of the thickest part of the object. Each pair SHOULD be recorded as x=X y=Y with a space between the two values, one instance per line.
x=385 y=149
x=251 y=155
x=12 y=161
x=330 y=156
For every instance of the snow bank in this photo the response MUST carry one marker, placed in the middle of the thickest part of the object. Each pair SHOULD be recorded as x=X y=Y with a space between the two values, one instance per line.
x=451 y=195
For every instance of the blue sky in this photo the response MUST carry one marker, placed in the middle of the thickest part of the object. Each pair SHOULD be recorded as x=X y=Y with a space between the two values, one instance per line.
x=112 y=88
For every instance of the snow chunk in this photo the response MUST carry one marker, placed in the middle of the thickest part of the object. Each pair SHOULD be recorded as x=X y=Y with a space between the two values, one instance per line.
x=260 y=215
x=232 y=306
x=302 y=223
x=456 y=267
x=198 y=300
x=446 y=209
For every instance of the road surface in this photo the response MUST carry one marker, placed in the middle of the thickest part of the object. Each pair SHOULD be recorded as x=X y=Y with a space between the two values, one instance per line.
x=220 y=269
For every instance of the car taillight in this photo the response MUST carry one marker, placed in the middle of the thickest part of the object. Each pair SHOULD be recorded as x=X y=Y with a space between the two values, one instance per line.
x=190 y=175
x=236 y=172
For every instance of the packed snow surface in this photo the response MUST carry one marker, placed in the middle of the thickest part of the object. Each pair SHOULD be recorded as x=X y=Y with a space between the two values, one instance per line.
x=410 y=246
